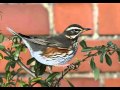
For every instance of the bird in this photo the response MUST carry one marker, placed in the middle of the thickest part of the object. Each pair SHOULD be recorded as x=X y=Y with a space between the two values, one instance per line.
x=53 y=50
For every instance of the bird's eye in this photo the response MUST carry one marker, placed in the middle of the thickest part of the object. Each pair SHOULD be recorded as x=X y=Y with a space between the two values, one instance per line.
x=77 y=31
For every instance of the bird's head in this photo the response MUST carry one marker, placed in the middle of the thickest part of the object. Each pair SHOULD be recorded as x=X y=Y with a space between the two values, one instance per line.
x=73 y=31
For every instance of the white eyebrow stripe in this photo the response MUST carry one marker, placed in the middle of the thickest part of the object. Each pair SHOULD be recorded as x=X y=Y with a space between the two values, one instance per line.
x=72 y=28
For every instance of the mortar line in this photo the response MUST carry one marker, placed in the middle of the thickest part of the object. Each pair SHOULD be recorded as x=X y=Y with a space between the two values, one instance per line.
x=95 y=20
x=49 y=7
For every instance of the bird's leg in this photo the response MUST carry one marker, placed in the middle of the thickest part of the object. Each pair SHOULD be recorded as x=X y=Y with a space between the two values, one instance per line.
x=50 y=69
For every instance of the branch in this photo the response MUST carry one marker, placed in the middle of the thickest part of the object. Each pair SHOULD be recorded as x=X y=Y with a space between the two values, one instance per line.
x=20 y=64
x=73 y=66
x=110 y=47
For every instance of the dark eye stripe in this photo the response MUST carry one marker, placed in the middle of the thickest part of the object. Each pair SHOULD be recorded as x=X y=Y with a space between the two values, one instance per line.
x=77 y=30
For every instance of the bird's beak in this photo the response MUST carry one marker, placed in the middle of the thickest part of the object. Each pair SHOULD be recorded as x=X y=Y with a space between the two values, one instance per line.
x=86 y=29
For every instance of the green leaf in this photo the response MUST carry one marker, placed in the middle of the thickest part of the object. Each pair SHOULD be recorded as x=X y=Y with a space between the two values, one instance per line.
x=15 y=45
x=52 y=76
x=43 y=83
x=118 y=52
x=86 y=49
x=13 y=64
x=2 y=47
x=36 y=79
x=83 y=44
x=20 y=69
x=16 y=39
x=7 y=58
x=17 y=52
x=7 y=75
x=1 y=38
x=78 y=63
x=23 y=84
x=109 y=43
x=96 y=73
x=11 y=83
x=24 y=49
x=102 y=56
x=1 y=56
x=42 y=69
x=39 y=68
x=7 y=67
x=13 y=72
x=108 y=59
x=70 y=83
x=92 y=64
x=30 y=61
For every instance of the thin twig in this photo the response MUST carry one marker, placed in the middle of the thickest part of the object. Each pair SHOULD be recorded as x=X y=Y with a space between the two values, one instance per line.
x=69 y=69
x=20 y=64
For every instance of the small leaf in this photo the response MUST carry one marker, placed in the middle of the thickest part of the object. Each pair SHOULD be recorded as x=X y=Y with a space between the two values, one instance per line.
x=15 y=45
x=13 y=64
x=20 y=69
x=2 y=47
x=83 y=44
x=30 y=61
x=102 y=56
x=7 y=75
x=1 y=38
x=118 y=52
x=39 y=68
x=43 y=83
x=86 y=49
x=17 y=52
x=7 y=67
x=23 y=84
x=36 y=79
x=24 y=49
x=92 y=64
x=13 y=72
x=109 y=43
x=52 y=76
x=96 y=73
x=11 y=83
x=78 y=63
x=70 y=83
x=108 y=59
x=1 y=56
x=7 y=57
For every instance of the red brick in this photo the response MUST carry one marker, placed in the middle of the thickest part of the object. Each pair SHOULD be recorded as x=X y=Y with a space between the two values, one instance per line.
x=80 y=82
x=30 y=19
x=112 y=82
x=109 y=18
x=85 y=67
x=72 y=13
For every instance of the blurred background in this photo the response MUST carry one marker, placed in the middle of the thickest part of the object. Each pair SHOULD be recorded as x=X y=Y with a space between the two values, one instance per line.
x=52 y=18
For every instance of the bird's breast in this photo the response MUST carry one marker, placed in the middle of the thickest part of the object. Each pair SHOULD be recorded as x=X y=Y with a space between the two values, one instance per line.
x=52 y=51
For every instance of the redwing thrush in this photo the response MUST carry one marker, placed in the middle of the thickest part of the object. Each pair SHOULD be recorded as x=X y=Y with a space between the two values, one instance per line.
x=53 y=50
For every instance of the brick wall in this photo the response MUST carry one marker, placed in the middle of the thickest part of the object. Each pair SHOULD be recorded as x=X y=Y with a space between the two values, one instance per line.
x=43 y=18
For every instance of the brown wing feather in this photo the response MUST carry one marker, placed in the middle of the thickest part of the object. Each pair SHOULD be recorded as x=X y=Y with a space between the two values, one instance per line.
x=50 y=51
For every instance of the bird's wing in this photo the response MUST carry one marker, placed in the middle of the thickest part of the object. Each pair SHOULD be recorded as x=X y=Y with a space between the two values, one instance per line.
x=49 y=41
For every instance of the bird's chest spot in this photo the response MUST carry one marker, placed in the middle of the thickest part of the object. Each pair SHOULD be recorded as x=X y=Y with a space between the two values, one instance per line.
x=53 y=51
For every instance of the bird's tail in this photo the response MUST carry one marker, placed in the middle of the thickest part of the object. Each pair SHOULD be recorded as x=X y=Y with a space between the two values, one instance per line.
x=13 y=32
